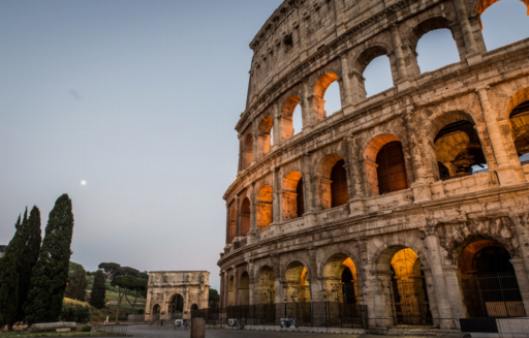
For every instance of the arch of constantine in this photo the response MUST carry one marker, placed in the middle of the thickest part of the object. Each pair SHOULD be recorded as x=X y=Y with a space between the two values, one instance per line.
x=412 y=202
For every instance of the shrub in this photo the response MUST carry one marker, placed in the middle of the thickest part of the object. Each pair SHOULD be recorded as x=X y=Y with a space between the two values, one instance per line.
x=75 y=313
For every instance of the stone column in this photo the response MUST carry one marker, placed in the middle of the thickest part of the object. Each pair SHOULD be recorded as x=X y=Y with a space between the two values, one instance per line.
x=509 y=169
x=401 y=73
x=276 y=128
x=253 y=211
x=306 y=107
x=346 y=88
x=523 y=280
x=254 y=129
x=455 y=296
x=358 y=90
x=439 y=284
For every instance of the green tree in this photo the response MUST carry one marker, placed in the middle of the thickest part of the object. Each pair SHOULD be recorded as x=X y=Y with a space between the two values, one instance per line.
x=48 y=280
x=28 y=259
x=97 y=296
x=213 y=300
x=76 y=285
x=9 y=277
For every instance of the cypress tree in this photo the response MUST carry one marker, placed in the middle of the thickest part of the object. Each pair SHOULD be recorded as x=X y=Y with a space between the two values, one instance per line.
x=97 y=296
x=48 y=280
x=9 y=278
x=28 y=258
x=76 y=286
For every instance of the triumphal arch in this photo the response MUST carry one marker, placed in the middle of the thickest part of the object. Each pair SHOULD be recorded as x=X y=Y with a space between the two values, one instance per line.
x=410 y=205
x=174 y=294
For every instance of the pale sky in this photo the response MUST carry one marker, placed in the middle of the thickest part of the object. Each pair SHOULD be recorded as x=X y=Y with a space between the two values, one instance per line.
x=129 y=106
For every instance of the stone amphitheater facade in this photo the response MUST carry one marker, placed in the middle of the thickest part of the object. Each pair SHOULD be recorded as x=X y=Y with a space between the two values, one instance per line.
x=406 y=201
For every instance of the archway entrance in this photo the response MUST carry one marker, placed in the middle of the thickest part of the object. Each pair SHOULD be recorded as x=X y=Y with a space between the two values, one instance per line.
x=176 y=307
x=410 y=297
x=156 y=312
x=490 y=288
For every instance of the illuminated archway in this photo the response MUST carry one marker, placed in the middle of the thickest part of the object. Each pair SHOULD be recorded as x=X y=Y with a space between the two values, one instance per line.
x=297 y=283
x=265 y=137
x=327 y=98
x=264 y=207
x=291 y=117
x=247 y=151
x=333 y=182
x=292 y=203
x=232 y=222
x=520 y=129
x=341 y=282
x=245 y=217
x=244 y=289
x=488 y=280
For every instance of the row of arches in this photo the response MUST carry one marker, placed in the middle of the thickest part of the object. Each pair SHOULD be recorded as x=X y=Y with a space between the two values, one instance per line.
x=488 y=285
x=436 y=43
x=175 y=308
x=456 y=149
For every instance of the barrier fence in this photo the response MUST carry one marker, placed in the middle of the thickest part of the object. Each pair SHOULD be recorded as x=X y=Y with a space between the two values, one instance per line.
x=320 y=314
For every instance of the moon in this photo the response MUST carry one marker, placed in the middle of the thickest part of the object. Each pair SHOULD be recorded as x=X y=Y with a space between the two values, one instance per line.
x=83 y=183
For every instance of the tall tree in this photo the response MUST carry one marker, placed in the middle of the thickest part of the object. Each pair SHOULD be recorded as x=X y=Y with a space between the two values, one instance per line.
x=9 y=278
x=76 y=285
x=97 y=296
x=28 y=258
x=50 y=274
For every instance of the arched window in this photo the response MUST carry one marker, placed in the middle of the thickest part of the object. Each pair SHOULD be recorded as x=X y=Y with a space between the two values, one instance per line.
x=384 y=164
x=264 y=208
x=333 y=182
x=291 y=119
x=266 y=134
x=298 y=283
x=327 y=98
x=247 y=151
x=504 y=22
x=245 y=218
x=520 y=130
x=339 y=193
x=292 y=201
x=377 y=75
x=232 y=222
x=458 y=150
x=436 y=46
x=340 y=277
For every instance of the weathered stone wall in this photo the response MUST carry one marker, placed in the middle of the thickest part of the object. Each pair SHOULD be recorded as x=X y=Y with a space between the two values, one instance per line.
x=164 y=286
x=302 y=48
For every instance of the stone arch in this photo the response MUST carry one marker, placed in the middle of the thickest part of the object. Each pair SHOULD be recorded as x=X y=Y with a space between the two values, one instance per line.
x=156 y=312
x=245 y=217
x=488 y=280
x=244 y=289
x=333 y=189
x=480 y=6
x=265 y=136
x=264 y=207
x=231 y=290
x=265 y=285
x=403 y=286
x=297 y=282
x=247 y=150
x=292 y=202
x=341 y=279
x=176 y=306
x=385 y=166
x=457 y=146
x=320 y=88
x=432 y=24
x=496 y=34
x=519 y=119
x=366 y=58
x=290 y=108
x=232 y=221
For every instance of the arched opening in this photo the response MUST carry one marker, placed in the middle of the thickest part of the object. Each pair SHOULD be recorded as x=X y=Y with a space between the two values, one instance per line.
x=297 y=283
x=436 y=46
x=291 y=117
x=247 y=149
x=520 y=129
x=391 y=169
x=488 y=280
x=156 y=312
x=231 y=291
x=327 y=99
x=333 y=182
x=496 y=33
x=265 y=295
x=339 y=193
x=265 y=134
x=245 y=217
x=458 y=150
x=244 y=289
x=292 y=201
x=176 y=307
x=232 y=222
x=375 y=67
x=264 y=207
x=408 y=286
x=341 y=280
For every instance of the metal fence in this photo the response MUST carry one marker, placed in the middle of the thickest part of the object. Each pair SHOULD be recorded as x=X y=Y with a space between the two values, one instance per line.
x=320 y=314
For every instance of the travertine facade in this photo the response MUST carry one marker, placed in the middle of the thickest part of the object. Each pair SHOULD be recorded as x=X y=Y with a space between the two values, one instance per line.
x=173 y=294
x=407 y=201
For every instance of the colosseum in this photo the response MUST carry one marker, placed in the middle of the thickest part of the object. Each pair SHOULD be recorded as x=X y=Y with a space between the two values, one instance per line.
x=405 y=207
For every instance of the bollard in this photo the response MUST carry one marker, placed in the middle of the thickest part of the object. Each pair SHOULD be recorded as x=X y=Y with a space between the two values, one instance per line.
x=198 y=328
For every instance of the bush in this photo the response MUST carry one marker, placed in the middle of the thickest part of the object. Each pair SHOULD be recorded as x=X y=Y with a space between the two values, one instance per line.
x=75 y=313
